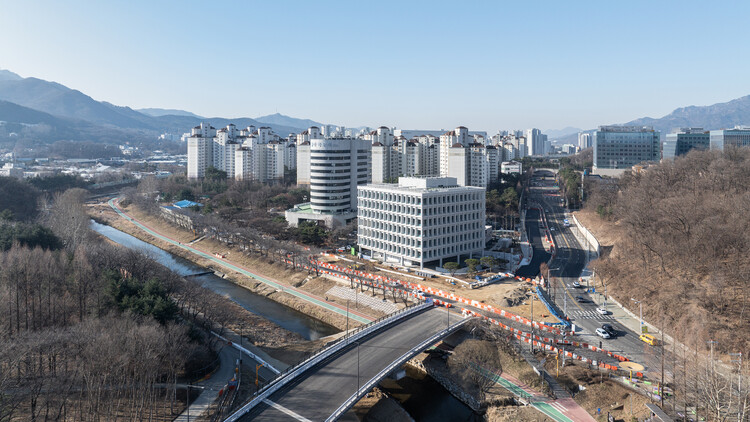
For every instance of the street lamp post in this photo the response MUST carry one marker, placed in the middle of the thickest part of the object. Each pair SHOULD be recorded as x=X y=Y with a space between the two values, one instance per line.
x=640 y=307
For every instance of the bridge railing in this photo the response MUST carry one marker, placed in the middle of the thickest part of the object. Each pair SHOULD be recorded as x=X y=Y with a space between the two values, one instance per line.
x=390 y=368
x=294 y=371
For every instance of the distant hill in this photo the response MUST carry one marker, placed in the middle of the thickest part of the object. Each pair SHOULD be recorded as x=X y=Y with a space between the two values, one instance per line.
x=7 y=75
x=716 y=116
x=280 y=119
x=59 y=100
x=554 y=134
x=158 y=112
x=73 y=108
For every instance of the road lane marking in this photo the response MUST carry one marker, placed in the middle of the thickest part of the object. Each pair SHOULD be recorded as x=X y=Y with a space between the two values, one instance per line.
x=288 y=412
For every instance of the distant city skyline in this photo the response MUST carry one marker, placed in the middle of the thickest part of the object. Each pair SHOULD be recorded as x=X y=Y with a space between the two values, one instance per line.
x=417 y=65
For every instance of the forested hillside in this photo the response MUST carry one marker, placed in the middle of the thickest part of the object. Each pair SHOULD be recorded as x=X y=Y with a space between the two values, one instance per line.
x=89 y=330
x=684 y=247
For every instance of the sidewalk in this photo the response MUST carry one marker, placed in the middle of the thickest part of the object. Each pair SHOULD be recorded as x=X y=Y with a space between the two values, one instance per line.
x=211 y=386
x=227 y=264
x=561 y=409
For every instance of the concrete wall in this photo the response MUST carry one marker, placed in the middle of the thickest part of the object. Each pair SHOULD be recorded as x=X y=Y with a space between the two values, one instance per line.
x=591 y=241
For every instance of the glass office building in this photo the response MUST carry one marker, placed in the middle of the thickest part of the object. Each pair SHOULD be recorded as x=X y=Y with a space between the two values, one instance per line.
x=680 y=141
x=622 y=147
x=737 y=137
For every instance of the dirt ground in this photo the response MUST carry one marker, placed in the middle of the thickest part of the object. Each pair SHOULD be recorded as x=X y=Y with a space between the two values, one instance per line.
x=514 y=414
x=600 y=392
x=607 y=233
x=263 y=266
x=494 y=294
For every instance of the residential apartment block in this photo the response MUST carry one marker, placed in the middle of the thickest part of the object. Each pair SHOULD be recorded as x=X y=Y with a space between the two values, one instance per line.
x=250 y=153
x=421 y=221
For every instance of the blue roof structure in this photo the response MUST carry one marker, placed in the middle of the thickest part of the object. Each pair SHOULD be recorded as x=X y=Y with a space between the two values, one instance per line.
x=187 y=204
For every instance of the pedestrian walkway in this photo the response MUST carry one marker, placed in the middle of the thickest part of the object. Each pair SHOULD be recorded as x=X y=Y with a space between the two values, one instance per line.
x=226 y=264
x=561 y=409
x=211 y=386
x=363 y=299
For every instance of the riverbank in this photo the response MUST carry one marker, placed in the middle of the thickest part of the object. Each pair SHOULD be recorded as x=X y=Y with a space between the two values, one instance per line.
x=265 y=267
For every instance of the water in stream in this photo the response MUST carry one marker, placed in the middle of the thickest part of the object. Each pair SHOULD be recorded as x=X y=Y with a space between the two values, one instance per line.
x=286 y=317
x=420 y=395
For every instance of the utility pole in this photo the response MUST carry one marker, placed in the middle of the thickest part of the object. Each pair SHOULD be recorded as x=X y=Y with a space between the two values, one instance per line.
x=661 y=385
x=532 y=324
x=347 y=320
x=640 y=305
x=740 y=407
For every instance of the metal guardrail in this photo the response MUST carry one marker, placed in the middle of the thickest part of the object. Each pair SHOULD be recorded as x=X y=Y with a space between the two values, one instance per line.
x=249 y=353
x=292 y=372
x=390 y=368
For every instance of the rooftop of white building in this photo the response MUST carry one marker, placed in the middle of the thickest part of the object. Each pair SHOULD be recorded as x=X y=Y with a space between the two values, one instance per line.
x=417 y=184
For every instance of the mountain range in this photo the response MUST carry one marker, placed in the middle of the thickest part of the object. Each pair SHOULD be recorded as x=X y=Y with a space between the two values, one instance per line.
x=62 y=113
x=716 y=116
x=68 y=114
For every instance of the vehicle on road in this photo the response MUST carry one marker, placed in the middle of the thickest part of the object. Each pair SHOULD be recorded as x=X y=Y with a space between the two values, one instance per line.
x=602 y=333
x=648 y=338
x=576 y=284
x=609 y=328
x=581 y=299
x=602 y=311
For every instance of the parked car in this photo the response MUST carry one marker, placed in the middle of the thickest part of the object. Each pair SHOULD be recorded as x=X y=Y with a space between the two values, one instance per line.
x=602 y=333
x=602 y=311
x=648 y=338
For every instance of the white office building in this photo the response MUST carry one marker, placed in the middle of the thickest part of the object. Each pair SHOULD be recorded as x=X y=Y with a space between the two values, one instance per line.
x=421 y=221
x=510 y=167
x=337 y=167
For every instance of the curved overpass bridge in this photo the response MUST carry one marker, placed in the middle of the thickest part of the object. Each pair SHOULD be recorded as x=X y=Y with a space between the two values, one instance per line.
x=326 y=389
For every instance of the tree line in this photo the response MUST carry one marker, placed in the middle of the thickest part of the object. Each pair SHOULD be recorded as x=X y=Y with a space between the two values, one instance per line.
x=684 y=254
x=90 y=330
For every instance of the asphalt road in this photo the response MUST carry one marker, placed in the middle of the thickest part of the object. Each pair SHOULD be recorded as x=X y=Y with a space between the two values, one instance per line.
x=321 y=390
x=535 y=238
x=566 y=268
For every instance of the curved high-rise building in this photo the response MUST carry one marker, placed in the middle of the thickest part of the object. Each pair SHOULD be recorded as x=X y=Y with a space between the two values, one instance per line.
x=337 y=166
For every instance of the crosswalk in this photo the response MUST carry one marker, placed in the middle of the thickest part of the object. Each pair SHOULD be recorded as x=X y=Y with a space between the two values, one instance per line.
x=590 y=315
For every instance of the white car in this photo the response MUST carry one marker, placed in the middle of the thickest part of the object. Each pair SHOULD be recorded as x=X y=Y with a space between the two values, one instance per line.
x=576 y=284
x=602 y=311
x=601 y=333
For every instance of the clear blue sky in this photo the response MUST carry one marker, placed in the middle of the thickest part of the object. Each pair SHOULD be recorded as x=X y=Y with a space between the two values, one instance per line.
x=412 y=64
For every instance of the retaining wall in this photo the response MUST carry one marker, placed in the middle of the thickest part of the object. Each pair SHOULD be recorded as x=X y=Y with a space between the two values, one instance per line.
x=591 y=241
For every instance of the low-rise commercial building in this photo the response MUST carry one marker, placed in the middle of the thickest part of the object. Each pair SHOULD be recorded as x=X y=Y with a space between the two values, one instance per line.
x=510 y=167
x=421 y=221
